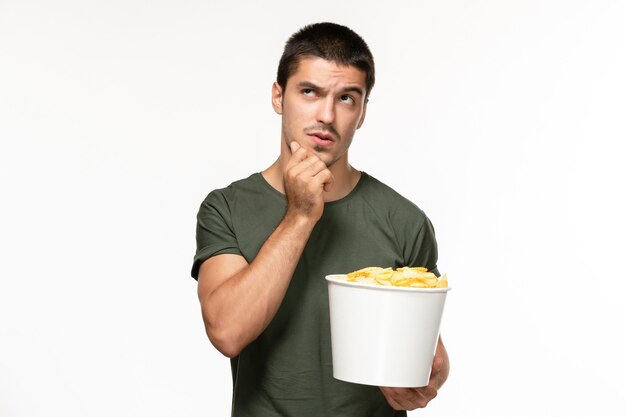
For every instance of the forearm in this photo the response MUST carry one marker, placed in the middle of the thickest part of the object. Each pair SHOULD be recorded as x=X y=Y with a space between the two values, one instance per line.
x=237 y=311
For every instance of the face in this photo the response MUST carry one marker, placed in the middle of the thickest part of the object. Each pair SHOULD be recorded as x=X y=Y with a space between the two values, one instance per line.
x=322 y=106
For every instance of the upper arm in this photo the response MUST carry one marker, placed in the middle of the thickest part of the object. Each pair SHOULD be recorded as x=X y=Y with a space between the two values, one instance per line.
x=417 y=238
x=215 y=235
x=216 y=270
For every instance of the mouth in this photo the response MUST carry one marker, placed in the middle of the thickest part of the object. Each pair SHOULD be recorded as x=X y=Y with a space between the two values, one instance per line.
x=321 y=138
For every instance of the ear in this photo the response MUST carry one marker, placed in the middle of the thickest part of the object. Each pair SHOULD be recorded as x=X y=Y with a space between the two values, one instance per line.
x=362 y=119
x=277 y=98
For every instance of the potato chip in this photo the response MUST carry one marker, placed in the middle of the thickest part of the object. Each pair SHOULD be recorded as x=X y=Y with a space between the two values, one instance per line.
x=414 y=277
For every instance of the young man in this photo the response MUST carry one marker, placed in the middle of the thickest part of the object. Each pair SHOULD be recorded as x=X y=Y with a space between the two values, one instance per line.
x=265 y=243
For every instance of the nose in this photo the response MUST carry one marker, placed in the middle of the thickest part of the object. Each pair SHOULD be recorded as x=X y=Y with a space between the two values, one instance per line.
x=326 y=111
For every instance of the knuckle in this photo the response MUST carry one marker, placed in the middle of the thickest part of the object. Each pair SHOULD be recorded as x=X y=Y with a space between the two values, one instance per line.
x=320 y=164
x=421 y=404
x=292 y=178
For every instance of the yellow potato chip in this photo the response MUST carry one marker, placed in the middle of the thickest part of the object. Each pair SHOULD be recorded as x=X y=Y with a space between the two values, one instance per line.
x=365 y=272
x=443 y=282
x=383 y=281
x=412 y=268
x=414 y=277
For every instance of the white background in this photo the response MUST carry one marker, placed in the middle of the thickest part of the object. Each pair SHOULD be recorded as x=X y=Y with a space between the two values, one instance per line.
x=503 y=120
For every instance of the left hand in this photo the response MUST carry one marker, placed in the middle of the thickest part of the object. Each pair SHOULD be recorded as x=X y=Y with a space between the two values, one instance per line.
x=412 y=398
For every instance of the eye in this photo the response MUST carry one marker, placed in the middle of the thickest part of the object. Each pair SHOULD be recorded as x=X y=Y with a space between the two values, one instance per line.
x=346 y=99
x=308 y=92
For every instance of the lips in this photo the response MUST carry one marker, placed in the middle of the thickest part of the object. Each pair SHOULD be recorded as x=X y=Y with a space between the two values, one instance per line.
x=322 y=139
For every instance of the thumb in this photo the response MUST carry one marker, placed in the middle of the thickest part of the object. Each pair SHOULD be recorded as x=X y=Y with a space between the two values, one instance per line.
x=437 y=363
x=435 y=371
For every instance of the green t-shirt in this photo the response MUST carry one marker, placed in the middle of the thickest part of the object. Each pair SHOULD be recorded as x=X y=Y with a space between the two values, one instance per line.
x=287 y=370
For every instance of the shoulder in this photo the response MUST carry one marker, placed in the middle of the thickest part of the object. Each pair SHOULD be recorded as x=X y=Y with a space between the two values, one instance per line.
x=384 y=198
x=236 y=189
x=219 y=210
x=245 y=198
x=371 y=184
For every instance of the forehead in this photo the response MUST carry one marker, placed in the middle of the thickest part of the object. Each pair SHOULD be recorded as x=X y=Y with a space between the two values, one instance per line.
x=327 y=73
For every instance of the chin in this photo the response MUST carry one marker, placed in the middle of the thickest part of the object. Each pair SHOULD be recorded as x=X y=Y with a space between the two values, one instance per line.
x=329 y=163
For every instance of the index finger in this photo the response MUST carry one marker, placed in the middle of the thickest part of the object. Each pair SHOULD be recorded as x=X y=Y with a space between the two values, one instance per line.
x=298 y=154
x=294 y=146
x=327 y=178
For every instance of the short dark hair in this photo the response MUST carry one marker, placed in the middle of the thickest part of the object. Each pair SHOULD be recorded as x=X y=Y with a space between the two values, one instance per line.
x=330 y=41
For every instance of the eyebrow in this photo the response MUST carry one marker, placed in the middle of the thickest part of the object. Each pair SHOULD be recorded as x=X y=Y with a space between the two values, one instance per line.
x=348 y=89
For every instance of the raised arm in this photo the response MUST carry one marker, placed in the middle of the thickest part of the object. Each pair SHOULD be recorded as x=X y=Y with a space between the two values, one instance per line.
x=238 y=299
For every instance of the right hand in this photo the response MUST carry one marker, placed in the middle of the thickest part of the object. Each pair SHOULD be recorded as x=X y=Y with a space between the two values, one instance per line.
x=306 y=177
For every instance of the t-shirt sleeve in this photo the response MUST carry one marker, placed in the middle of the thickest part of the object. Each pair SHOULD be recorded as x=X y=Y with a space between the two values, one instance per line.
x=214 y=230
x=420 y=244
